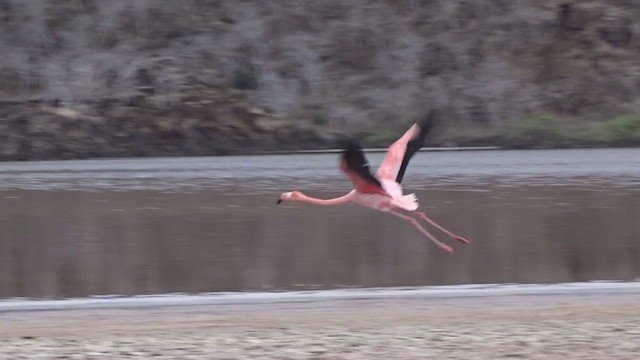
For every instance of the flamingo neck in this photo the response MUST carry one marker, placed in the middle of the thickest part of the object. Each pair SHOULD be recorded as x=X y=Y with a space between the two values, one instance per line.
x=345 y=199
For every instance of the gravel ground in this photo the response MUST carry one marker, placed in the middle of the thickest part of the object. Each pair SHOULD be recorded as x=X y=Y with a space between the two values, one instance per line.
x=603 y=326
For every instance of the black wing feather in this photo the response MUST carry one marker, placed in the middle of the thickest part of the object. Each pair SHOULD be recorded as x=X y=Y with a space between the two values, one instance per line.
x=415 y=144
x=357 y=162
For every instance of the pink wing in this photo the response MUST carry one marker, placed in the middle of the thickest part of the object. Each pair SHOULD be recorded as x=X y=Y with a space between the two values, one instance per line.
x=361 y=184
x=354 y=164
x=390 y=166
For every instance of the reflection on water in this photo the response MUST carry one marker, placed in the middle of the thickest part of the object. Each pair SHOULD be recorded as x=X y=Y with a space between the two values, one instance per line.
x=427 y=170
x=574 y=227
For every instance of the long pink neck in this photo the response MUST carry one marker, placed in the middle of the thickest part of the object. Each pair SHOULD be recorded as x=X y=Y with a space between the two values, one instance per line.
x=335 y=201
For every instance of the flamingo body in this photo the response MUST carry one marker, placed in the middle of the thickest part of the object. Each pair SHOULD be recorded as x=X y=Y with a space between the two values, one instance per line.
x=383 y=191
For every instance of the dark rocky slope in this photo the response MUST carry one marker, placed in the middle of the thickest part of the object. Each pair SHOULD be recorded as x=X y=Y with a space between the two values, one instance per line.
x=89 y=78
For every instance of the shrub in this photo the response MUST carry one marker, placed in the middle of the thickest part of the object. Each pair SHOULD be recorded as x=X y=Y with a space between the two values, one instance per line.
x=244 y=80
x=381 y=137
x=622 y=128
x=546 y=129
x=319 y=119
x=537 y=127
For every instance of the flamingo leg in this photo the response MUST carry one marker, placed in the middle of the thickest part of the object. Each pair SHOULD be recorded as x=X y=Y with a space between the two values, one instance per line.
x=424 y=217
x=415 y=223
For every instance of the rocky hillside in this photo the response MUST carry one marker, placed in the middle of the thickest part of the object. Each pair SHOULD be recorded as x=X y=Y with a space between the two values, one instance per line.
x=90 y=78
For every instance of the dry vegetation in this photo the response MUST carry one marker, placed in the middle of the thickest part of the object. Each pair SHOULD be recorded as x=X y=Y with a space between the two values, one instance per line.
x=110 y=78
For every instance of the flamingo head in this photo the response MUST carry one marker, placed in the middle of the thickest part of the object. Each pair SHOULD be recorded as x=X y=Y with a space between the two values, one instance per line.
x=288 y=196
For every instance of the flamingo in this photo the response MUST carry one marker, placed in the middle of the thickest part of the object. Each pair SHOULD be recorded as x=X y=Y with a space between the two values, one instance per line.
x=383 y=192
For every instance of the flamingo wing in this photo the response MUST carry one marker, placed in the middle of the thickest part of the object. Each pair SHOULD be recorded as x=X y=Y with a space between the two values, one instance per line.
x=402 y=150
x=355 y=165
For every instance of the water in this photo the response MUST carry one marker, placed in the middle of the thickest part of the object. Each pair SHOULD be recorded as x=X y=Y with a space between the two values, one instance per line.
x=149 y=226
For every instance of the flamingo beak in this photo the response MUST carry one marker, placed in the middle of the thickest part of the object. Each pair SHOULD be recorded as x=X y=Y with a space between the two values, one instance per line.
x=279 y=201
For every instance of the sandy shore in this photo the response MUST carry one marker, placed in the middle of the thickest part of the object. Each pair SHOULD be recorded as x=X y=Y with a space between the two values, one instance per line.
x=594 y=326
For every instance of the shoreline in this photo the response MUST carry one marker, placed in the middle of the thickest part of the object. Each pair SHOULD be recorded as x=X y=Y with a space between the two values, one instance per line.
x=568 y=326
x=313 y=152
x=159 y=301
x=270 y=153
x=179 y=155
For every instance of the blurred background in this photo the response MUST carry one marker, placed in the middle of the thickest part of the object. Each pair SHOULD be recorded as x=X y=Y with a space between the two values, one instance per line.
x=185 y=98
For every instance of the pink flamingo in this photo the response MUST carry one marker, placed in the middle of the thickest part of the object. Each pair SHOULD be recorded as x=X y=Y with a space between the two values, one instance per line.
x=382 y=192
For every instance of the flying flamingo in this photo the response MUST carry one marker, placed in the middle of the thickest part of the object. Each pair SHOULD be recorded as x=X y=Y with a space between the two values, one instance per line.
x=383 y=192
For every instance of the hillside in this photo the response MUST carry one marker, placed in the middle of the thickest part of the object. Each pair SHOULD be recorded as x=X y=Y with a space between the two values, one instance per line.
x=89 y=78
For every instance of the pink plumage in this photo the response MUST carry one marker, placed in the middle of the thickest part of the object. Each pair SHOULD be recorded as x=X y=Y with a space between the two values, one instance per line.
x=383 y=192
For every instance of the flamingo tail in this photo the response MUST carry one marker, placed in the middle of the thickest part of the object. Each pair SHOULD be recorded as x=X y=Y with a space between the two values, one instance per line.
x=407 y=202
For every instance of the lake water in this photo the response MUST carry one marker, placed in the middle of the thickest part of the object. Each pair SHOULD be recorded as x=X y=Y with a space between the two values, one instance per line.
x=148 y=226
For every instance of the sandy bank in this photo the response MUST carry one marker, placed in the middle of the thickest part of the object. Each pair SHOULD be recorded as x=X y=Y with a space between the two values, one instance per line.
x=594 y=326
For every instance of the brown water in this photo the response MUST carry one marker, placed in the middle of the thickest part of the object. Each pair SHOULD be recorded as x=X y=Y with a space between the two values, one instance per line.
x=211 y=224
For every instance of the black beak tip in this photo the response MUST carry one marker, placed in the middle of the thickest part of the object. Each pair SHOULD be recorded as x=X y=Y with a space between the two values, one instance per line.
x=279 y=201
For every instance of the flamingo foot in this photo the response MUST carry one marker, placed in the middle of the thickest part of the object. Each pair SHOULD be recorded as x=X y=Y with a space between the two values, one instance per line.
x=461 y=239
x=446 y=248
